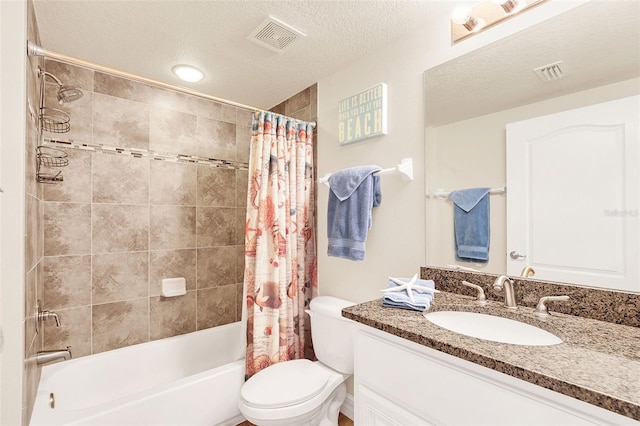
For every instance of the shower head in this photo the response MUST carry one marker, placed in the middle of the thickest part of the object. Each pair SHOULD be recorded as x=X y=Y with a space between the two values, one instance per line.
x=66 y=94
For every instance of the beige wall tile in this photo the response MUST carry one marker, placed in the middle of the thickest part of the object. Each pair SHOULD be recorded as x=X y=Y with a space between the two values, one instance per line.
x=216 y=226
x=216 y=306
x=172 y=183
x=119 y=228
x=172 y=227
x=216 y=187
x=119 y=87
x=216 y=139
x=172 y=264
x=172 y=316
x=243 y=143
x=119 y=178
x=120 y=324
x=240 y=263
x=241 y=220
x=67 y=282
x=216 y=266
x=244 y=117
x=76 y=186
x=120 y=122
x=170 y=99
x=74 y=331
x=242 y=178
x=30 y=307
x=33 y=237
x=120 y=276
x=172 y=131
x=66 y=228
x=32 y=187
x=239 y=301
x=298 y=101
x=70 y=75
x=216 y=111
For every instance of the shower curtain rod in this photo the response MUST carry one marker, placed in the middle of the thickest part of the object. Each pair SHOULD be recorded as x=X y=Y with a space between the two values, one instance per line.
x=35 y=50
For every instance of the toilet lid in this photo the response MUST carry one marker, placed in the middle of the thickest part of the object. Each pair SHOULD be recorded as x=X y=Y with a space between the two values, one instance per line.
x=284 y=384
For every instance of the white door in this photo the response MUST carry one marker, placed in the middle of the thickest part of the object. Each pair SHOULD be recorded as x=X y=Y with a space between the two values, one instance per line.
x=573 y=190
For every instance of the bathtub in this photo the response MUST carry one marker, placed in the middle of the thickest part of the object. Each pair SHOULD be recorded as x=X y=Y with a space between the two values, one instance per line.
x=192 y=379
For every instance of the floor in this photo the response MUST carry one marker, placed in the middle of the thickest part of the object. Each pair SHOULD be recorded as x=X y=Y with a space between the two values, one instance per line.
x=342 y=421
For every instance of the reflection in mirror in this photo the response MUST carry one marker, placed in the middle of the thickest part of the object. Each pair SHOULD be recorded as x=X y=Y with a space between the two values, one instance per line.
x=471 y=100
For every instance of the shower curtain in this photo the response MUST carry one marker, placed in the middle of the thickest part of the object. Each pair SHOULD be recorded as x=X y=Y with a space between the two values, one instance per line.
x=280 y=255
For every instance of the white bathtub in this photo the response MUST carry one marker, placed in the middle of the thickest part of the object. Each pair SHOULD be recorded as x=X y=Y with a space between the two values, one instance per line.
x=193 y=379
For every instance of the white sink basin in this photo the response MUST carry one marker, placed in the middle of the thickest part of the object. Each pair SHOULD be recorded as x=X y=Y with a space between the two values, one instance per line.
x=496 y=329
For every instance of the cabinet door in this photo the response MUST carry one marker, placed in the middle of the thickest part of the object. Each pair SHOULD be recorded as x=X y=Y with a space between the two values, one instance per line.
x=374 y=409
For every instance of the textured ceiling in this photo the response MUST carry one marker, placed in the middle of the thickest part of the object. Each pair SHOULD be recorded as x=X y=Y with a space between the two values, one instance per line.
x=598 y=42
x=147 y=38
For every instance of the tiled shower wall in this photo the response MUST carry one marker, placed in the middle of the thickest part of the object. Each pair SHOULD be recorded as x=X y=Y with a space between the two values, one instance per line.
x=118 y=224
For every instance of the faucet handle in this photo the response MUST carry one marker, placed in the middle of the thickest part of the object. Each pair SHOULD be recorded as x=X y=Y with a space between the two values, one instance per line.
x=541 y=308
x=527 y=271
x=481 y=299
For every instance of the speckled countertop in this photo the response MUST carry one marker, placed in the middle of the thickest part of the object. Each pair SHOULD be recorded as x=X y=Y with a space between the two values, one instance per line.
x=598 y=362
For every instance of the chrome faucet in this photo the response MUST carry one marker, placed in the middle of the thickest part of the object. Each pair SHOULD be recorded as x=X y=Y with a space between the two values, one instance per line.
x=509 y=296
x=45 y=357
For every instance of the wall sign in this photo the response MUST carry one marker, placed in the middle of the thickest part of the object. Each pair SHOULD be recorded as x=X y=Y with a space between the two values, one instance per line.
x=363 y=115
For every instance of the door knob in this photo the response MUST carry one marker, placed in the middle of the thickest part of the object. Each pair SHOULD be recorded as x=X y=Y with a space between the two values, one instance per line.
x=515 y=255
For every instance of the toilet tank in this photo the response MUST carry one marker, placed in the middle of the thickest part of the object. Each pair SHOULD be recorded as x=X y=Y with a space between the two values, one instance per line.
x=332 y=334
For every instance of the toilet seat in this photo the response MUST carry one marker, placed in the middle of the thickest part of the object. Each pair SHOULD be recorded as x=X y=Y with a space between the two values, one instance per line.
x=285 y=384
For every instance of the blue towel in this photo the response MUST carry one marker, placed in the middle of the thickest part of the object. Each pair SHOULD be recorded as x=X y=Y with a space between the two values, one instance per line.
x=353 y=193
x=400 y=299
x=471 y=224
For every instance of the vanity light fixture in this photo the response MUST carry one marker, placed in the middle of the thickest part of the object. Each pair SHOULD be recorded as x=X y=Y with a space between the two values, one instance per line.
x=462 y=16
x=509 y=6
x=188 y=73
x=471 y=20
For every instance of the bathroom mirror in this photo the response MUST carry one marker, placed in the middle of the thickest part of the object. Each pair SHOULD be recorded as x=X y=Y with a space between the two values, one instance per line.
x=470 y=100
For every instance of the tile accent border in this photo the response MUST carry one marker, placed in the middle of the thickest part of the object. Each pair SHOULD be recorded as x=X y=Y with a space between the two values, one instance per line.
x=143 y=153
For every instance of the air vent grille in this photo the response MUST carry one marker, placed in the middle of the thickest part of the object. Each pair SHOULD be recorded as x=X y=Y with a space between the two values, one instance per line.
x=551 y=72
x=275 y=35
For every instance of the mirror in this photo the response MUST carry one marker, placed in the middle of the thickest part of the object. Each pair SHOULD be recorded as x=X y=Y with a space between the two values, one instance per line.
x=470 y=100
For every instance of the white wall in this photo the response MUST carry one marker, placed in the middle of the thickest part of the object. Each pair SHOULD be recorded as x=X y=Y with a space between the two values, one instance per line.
x=396 y=243
x=13 y=29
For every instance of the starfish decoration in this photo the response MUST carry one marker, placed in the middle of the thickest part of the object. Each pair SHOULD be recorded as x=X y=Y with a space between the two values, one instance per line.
x=411 y=285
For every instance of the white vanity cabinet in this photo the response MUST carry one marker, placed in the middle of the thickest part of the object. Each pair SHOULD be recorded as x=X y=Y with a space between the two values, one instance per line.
x=399 y=382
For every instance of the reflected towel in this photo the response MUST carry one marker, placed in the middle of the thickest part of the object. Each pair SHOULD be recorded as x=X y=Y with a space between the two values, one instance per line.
x=354 y=192
x=400 y=299
x=471 y=224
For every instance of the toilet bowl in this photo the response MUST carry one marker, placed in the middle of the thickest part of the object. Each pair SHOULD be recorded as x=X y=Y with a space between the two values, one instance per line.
x=303 y=392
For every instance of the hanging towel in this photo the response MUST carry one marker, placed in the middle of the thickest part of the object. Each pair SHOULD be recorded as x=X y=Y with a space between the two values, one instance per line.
x=400 y=299
x=471 y=224
x=354 y=192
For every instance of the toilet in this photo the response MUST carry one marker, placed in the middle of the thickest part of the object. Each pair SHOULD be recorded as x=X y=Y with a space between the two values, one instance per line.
x=303 y=392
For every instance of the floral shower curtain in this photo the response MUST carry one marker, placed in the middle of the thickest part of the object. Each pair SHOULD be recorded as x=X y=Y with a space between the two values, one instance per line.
x=280 y=253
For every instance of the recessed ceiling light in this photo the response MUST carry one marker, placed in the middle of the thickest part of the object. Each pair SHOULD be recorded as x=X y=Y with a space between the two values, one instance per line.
x=188 y=73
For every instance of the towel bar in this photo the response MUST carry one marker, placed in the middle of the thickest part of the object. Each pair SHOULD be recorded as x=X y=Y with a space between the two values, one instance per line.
x=405 y=168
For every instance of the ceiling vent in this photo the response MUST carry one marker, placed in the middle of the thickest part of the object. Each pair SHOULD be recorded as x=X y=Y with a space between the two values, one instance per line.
x=551 y=72
x=275 y=35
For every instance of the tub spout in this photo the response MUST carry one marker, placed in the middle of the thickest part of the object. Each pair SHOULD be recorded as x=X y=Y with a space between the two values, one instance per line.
x=45 y=357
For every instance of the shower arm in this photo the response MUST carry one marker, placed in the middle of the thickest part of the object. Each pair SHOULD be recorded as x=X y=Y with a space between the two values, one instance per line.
x=48 y=74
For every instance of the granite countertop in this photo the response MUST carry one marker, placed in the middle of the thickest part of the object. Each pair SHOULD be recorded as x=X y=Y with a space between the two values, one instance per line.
x=598 y=362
